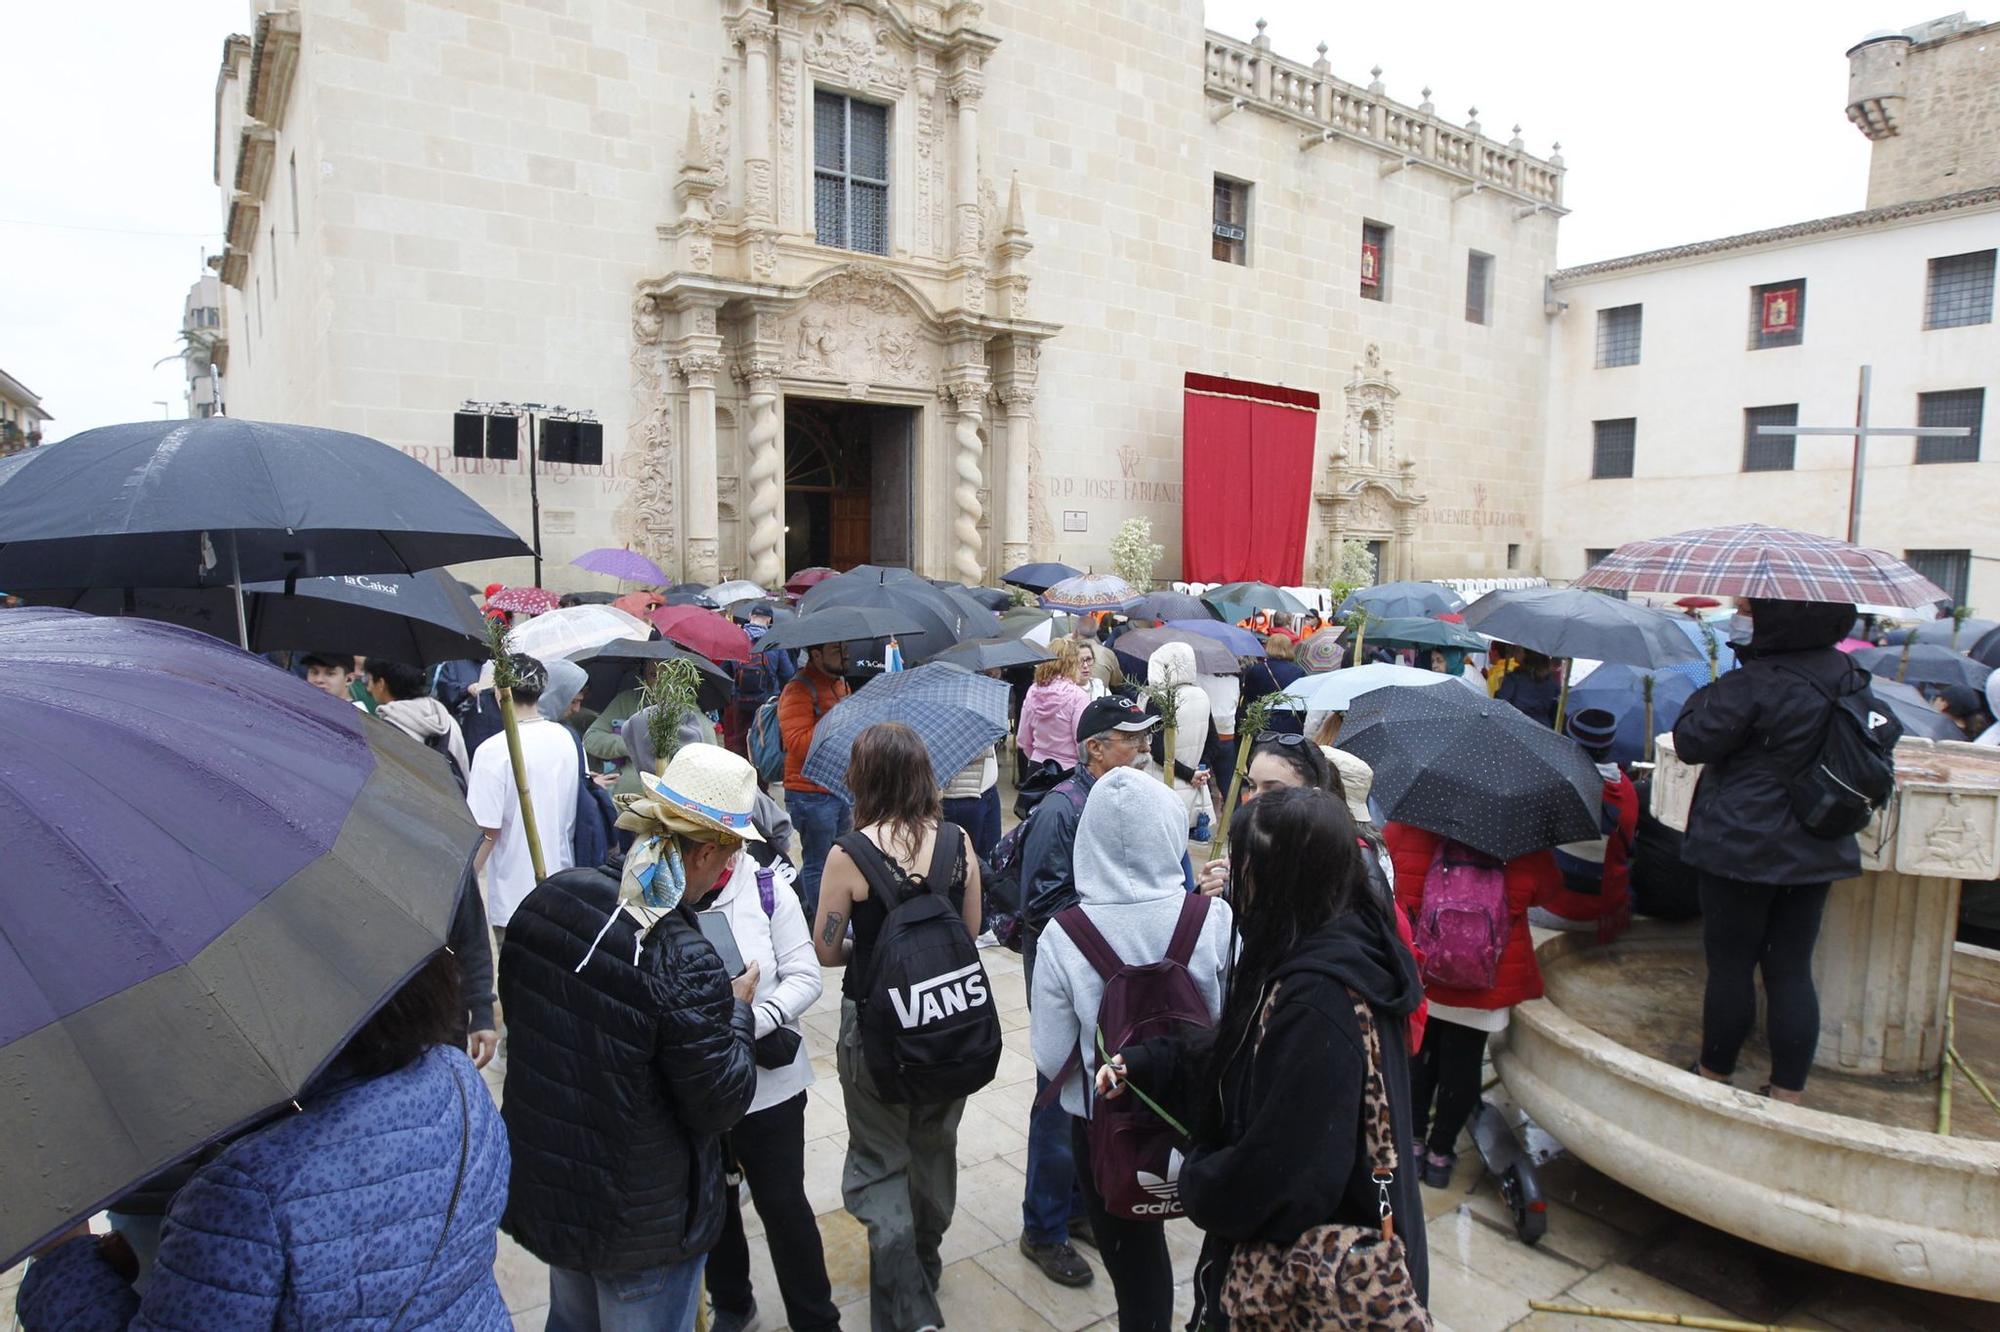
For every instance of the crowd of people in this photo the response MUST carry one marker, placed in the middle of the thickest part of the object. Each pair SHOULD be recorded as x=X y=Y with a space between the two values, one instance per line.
x=1259 y=1041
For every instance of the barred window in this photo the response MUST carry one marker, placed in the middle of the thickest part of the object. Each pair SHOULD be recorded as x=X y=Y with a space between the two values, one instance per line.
x=1961 y=290
x=1618 y=335
x=1769 y=453
x=1375 y=261
x=1595 y=555
x=1960 y=407
x=1949 y=569
x=1478 y=286
x=1231 y=221
x=1778 y=314
x=1612 y=447
x=850 y=173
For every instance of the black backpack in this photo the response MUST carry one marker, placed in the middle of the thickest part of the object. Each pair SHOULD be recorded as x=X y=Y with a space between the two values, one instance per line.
x=442 y=744
x=1853 y=773
x=929 y=1030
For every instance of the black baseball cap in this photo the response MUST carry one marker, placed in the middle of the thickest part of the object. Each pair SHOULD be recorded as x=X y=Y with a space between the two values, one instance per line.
x=1113 y=712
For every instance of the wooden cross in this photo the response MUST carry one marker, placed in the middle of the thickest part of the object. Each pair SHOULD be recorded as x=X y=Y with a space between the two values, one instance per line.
x=1860 y=432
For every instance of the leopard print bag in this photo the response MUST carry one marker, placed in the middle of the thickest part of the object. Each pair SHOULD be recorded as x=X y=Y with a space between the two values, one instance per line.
x=1335 y=1278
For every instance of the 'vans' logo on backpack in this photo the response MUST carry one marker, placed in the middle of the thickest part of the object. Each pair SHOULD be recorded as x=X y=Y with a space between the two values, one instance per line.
x=940 y=997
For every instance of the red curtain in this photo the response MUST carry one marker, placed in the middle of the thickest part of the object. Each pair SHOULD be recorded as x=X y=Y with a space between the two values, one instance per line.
x=1246 y=459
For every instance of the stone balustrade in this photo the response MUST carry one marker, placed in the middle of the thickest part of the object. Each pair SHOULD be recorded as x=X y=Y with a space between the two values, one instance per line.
x=1314 y=99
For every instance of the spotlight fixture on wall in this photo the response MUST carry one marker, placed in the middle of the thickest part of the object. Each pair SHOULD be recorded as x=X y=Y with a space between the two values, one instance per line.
x=493 y=430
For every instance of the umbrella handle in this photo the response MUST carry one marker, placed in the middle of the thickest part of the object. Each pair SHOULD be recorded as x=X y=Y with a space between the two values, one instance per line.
x=236 y=586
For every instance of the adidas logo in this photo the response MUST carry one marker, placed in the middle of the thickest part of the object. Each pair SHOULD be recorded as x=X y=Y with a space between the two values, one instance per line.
x=1167 y=1190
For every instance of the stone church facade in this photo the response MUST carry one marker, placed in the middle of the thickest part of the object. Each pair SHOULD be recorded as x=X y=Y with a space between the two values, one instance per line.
x=899 y=281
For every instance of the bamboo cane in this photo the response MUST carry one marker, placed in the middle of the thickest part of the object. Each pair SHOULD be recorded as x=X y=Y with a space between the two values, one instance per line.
x=1254 y=718
x=1667 y=1319
x=1903 y=663
x=1646 y=745
x=1944 y=1075
x=1978 y=1083
x=504 y=680
x=1562 y=694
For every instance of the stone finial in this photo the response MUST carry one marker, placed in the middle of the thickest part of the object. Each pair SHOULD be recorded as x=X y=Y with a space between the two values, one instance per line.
x=1376 y=87
x=1322 y=66
x=1472 y=121
x=1261 y=41
x=694 y=154
x=1429 y=107
x=1556 y=157
x=1517 y=143
x=1016 y=224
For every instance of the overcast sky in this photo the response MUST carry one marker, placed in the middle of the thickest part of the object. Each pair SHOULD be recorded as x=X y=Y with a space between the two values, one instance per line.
x=1678 y=122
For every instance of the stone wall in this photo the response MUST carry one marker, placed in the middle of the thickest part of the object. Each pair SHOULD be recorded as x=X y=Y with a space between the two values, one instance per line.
x=1946 y=129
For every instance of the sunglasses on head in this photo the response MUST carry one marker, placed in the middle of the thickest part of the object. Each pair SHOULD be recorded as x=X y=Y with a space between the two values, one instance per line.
x=1278 y=738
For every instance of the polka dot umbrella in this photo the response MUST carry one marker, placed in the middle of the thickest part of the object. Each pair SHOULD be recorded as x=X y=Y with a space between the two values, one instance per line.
x=1475 y=770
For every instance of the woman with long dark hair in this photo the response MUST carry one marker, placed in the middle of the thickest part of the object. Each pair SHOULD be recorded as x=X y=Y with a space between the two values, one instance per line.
x=1276 y=1089
x=902 y=1163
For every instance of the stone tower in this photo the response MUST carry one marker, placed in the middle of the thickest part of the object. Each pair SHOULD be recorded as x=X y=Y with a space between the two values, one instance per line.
x=1929 y=99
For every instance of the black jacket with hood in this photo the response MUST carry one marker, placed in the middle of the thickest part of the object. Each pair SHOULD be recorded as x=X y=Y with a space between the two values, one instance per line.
x=1290 y=1153
x=1754 y=729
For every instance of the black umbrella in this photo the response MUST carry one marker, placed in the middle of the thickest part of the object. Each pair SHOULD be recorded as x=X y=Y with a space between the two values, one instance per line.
x=944 y=619
x=1928 y=663
x=416 y=618
x=222 y=502
x=615 y=667
x=1575 y=622
x=996 y=599
x=841 y=624
x=993 y=654
x=1914 y=711
x=1039 y=577
x=1986 y=650
x=1475 y=770
x=1168 y=604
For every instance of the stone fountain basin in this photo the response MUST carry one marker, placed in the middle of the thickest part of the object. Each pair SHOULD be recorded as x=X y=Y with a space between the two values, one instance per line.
x=1862 y=1186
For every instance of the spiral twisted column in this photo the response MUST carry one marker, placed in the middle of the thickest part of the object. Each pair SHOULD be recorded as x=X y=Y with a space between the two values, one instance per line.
x=970 y=400
x=764 y=476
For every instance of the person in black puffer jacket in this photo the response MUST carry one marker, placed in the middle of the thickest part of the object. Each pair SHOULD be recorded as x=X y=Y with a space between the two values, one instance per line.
x=629 y=1055
x=1279 y=1146
x=1764 y=878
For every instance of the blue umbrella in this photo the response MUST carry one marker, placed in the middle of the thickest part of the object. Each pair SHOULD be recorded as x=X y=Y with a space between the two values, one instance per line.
x=216 y=874
x=1401 y=599
x=1620 y=690
x=1237 y=639
x=956 y=713
x=1699 y=632
x=1039 y=577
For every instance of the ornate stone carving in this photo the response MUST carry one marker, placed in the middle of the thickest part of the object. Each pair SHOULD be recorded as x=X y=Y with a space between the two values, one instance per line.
x=715 y=145
x=970 y=399
x=856 y=48
x=764 y=256
x=698 y=368
x=649 y=511
x=764 y=547
x=858 y=326
x=726 y=488
x=788 y=120
x=927 y=163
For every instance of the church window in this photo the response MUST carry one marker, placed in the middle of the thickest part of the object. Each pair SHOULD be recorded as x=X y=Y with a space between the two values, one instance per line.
x=1949 y=569
x=1769 y=453
x=850 y=173
x=1961 y=290
x=1960 y=407
x=1613 y=446
x=1232 y=221
x=1375 y=261
x=1618 y=335
x=1478 y=286
x=1778 y=314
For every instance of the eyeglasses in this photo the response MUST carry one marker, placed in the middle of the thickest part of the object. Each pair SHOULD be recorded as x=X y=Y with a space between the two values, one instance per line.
x=1278 y=738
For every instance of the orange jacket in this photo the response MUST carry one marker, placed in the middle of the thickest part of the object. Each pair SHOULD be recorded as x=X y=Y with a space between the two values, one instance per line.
x=808 y=697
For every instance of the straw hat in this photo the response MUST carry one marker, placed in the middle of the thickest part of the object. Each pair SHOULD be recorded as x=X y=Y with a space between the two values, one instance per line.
x=708 y=787
x=1357 y=778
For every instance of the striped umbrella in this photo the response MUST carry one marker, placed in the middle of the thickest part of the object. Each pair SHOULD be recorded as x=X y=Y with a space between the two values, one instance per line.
x=956 y=713
x=217 y=873
x=1090 y=592
x=1321 y=652
x=1752 y=560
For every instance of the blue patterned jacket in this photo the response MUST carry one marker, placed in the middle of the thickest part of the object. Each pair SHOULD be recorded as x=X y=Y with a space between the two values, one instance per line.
x=322 y=1220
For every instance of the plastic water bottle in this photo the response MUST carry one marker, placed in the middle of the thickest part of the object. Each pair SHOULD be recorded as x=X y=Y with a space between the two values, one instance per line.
x=1204 y=805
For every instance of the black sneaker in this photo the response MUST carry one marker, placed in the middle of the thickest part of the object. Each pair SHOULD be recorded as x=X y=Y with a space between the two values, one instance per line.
x=1081 y=1233
x=1059 y=1263
x=722 y=1320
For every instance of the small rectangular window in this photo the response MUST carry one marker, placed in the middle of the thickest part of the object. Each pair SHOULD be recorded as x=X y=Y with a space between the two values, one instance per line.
x=1595 y=555
x=1960 y=291
x=1478 y=286
x=1949 y=569
x=1769 y=453
x=1374 y=261
x=1618 y=335
x=1513 y=555
x=1612 y=447
x=1778 y=314
x=1960 y=407
x=1231 y=221
x=850 y=173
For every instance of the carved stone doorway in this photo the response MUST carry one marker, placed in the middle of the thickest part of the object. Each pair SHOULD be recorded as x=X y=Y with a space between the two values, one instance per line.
x=849 y=483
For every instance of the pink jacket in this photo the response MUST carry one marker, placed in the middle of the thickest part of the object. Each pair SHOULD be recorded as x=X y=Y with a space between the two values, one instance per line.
x=1048 y=721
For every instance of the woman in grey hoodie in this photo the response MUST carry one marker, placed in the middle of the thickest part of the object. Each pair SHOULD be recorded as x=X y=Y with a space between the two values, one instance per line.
x=1129 y=846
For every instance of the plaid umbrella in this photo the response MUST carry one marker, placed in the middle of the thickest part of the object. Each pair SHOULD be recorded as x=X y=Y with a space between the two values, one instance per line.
x=628 y=566
x=1322 y=651
x=1387 y=599
x=1475 y=770
x=1571 y=622
x=1752 y=560
x=1090 y=592
x=1929 y=664
x=524 y=600
x=957 y=714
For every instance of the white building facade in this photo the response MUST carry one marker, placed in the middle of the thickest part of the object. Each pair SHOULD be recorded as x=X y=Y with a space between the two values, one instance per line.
x=901 y=281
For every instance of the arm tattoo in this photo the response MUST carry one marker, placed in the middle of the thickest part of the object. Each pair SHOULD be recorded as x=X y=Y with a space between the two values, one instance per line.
x=836 y=925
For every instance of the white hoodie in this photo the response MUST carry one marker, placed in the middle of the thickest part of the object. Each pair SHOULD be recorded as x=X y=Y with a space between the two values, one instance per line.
x=1173 y=663
x=1129 y=845
x=423 y=718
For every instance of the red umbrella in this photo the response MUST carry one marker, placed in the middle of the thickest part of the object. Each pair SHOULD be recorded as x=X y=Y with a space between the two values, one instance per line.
x=523 y=600
x=1698 y=603
x=713 y=635
x=806 y=579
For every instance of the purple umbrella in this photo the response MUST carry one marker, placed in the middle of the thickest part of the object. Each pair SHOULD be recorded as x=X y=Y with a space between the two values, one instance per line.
x=216 y=873
x=628 y=566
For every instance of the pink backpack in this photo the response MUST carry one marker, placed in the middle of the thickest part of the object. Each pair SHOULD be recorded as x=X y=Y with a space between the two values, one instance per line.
x=1462 y=925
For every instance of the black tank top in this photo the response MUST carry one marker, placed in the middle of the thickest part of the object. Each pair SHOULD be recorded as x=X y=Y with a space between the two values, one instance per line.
x=870 y=913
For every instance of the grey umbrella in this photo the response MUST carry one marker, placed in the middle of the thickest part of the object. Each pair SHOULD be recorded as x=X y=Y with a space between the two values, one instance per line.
x=1927 y=663
x=841 y=624
x=993 y=654
x=1168 y=604
x=1573 y=622
x=1210 y=656
x=944 y=618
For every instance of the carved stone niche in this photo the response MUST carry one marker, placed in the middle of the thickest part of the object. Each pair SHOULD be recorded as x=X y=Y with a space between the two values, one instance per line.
x=858 y=325
x=864 y=47
x=1368 y=431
